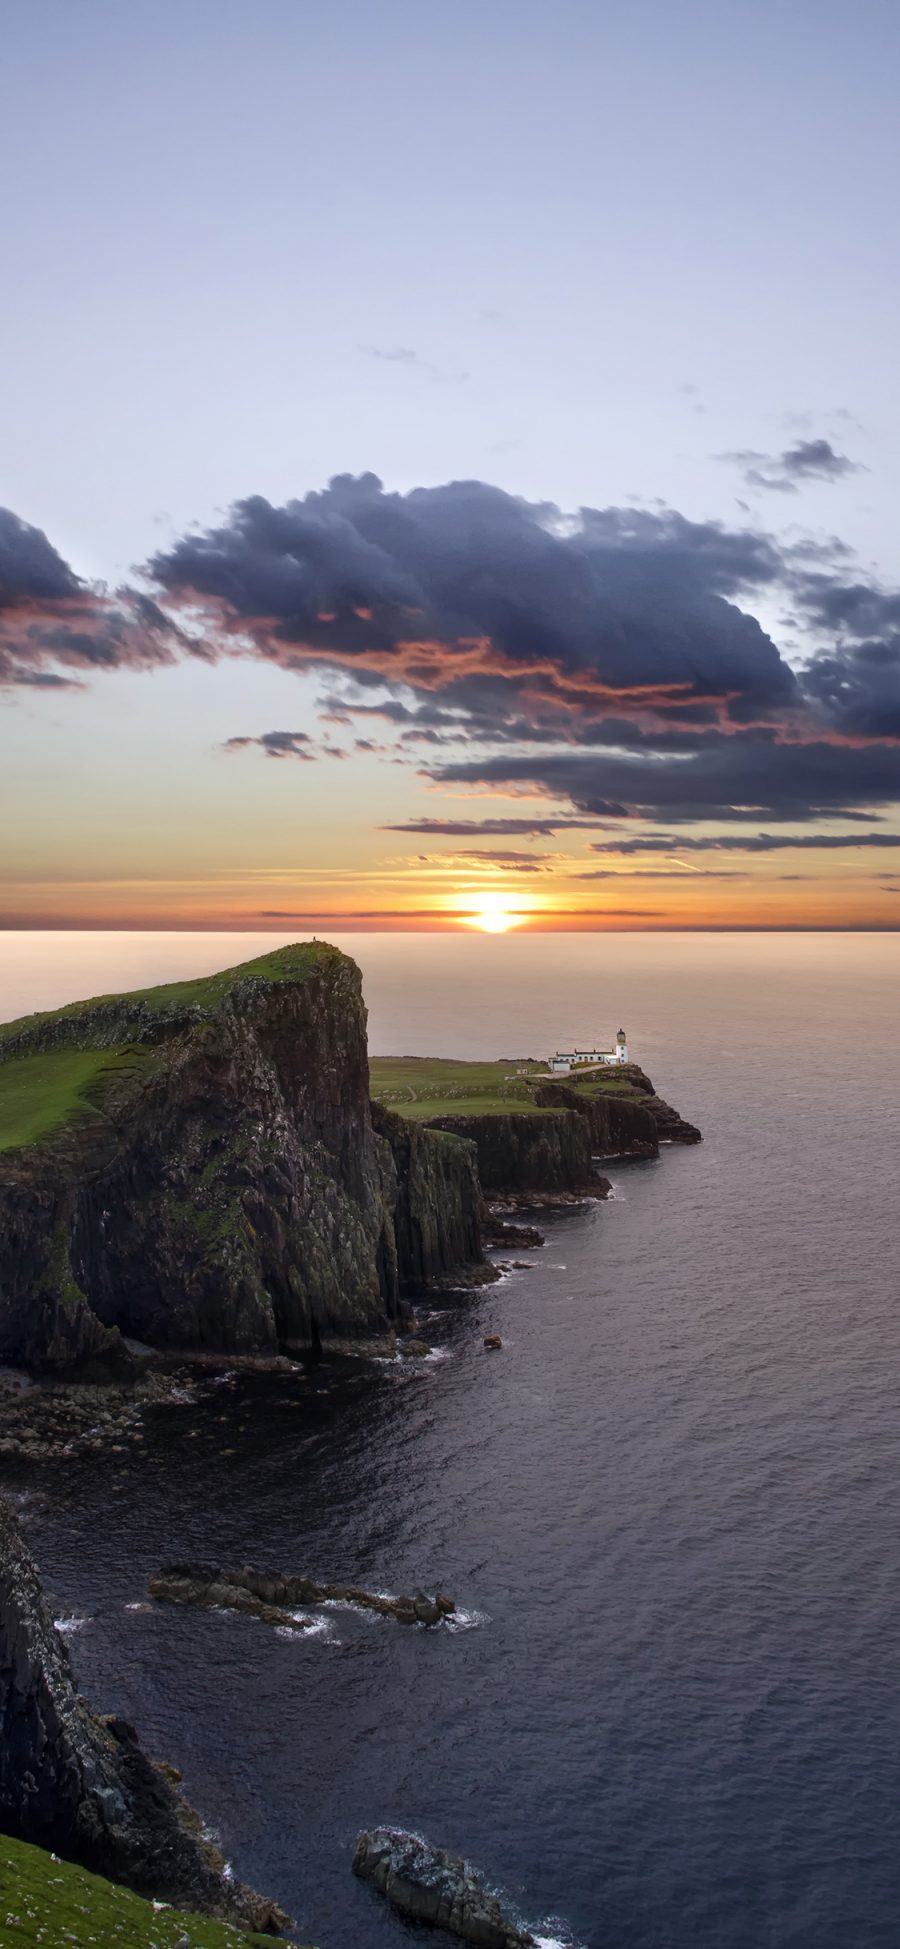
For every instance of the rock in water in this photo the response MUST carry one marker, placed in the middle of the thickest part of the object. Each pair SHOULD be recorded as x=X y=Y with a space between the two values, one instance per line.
x=78 y=1783
x=261 y=1592
x=430 y=1885
x=493 y=1342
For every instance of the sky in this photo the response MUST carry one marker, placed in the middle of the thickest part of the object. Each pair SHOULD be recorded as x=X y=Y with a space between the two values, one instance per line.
x=449 y=461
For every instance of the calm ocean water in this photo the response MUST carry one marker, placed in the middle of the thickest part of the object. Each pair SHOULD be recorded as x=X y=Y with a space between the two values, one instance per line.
x=670 y=1508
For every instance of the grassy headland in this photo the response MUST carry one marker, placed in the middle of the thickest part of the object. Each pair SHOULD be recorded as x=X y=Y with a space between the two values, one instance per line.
x=58 y=1067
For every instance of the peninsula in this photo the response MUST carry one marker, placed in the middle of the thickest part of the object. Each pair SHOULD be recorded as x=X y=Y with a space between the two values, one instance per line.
x=202 y=1166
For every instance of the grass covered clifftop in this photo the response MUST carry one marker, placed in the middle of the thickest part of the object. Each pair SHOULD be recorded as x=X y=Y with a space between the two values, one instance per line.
x=79 y=1023
x=45 y=1902
x=422 y=1087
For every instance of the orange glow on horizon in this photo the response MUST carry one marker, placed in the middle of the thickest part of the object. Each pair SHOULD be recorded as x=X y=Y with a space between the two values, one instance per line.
x=492 y=914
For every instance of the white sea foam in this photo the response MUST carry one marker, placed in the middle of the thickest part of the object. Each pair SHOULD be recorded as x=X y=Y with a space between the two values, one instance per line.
x=67 y=1625
x=319 y=1627
x=463 y=1620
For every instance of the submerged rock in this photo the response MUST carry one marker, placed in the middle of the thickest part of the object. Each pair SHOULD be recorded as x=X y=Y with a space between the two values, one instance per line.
x=429 y=1885
x=268 y=1595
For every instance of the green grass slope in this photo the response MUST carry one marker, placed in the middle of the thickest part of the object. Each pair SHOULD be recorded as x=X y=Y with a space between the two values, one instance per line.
x=39 y=1093
x=420 y=1087
x=48 y=1904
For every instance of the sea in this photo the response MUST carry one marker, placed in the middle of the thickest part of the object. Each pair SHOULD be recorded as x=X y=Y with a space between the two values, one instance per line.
x=667 y=1715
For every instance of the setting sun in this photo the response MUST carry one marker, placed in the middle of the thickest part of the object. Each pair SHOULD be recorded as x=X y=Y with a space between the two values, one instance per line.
x=491 y=913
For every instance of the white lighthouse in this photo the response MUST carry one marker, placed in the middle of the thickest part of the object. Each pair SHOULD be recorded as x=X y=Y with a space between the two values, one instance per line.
x=566 y=1060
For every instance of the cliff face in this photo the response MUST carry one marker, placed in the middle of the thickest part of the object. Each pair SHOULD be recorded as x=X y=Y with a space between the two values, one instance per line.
x=80 y=1784
x=549 y=1152
x=435 y=1199
x=617 y=1126
x=224 y=1187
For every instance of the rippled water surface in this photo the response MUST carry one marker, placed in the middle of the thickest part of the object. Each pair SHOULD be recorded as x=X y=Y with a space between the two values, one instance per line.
x=670 y=1507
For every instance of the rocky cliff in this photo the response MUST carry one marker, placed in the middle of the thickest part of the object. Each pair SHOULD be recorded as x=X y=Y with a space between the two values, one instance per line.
x=217 y=1181
x=542 y=1152
x=80 y=1784
x=435 y=1200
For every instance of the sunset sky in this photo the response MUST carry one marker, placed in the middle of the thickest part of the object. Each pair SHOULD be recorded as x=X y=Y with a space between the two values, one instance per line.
x=450 y=465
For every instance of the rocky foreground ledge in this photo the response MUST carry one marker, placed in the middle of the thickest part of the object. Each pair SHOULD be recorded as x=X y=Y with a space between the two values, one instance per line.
x=79 y=1783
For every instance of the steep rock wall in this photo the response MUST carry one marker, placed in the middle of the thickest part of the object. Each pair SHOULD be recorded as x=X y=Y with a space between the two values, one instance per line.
x=435 y=1199
x=548 y=1151
x=80 y=1784
x=617 y=1126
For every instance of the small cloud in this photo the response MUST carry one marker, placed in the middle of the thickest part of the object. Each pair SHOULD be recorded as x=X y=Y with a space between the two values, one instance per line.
x=815 y=460
x=277 y=744
x=408 y=356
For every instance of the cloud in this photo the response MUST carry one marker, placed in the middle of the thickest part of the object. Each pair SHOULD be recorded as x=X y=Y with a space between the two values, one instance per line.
x=515 y=827
x=446 y=588
x=674 y=872
x=750 y=774
x=815 y=460
x=48 y=615
x=507 y=860
x=760 y=842
x=276 y=744
x=405 y=355
x=458 y=913
x=607 y=660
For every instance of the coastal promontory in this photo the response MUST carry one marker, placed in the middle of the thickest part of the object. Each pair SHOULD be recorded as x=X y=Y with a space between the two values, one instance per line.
x=196 y=1166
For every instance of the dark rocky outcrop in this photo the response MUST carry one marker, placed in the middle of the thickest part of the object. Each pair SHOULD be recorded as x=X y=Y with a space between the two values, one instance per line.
x=80 y=1784
x=496 y=1231
x=670 y=1127
x=430 y=1885
x=269 y=1595
x=229 y=1191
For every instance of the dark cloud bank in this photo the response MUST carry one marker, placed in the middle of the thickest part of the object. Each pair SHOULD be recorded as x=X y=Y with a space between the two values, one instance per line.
x=610 y=661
